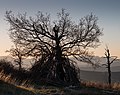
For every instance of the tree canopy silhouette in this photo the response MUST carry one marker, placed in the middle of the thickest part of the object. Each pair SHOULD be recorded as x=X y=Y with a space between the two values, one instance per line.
x=55 y=42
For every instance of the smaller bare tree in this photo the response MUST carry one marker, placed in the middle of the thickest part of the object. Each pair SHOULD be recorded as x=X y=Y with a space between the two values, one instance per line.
x=18 y=54
x=110 y=60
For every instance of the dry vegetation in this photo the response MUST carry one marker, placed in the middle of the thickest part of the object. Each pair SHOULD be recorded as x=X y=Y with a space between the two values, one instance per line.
x=87 y=88
x=11 y=84
x=113 y=86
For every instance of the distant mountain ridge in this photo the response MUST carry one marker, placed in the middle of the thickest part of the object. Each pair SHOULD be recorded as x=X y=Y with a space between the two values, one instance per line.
x=101 y=69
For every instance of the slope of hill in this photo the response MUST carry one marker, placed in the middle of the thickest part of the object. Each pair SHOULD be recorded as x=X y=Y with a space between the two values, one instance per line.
x=9 y=89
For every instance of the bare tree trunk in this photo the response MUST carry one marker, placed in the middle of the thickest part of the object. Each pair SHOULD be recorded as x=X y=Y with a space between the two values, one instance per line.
x=110 y=60
x=20 y=67
x=58 y=56
x=108 y=66
x=59 y=63
x=20 y=63
x=109 y=75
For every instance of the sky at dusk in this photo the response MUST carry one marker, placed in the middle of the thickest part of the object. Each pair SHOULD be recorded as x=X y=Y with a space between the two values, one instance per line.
x=108 y=12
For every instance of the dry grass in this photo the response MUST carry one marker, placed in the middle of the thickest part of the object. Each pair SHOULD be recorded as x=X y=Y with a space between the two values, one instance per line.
x=11 y=84
x=7 y=78
x=88 y=88
x=9 y=89
x=114 y=86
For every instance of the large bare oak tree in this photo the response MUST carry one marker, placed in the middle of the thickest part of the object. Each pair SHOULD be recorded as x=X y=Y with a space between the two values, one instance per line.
x=55 y=42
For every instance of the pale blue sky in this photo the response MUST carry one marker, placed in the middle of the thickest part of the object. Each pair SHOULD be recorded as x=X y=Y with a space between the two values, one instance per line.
x=108 y=12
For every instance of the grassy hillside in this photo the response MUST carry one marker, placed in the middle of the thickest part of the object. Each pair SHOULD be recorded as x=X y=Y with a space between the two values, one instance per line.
x=9 y=80
x=86 y=89
x=9 y=89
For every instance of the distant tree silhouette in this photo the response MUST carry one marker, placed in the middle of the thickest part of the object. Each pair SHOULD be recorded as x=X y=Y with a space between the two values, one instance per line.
x=55 y=43
x=17 y=53
x=110 y=60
